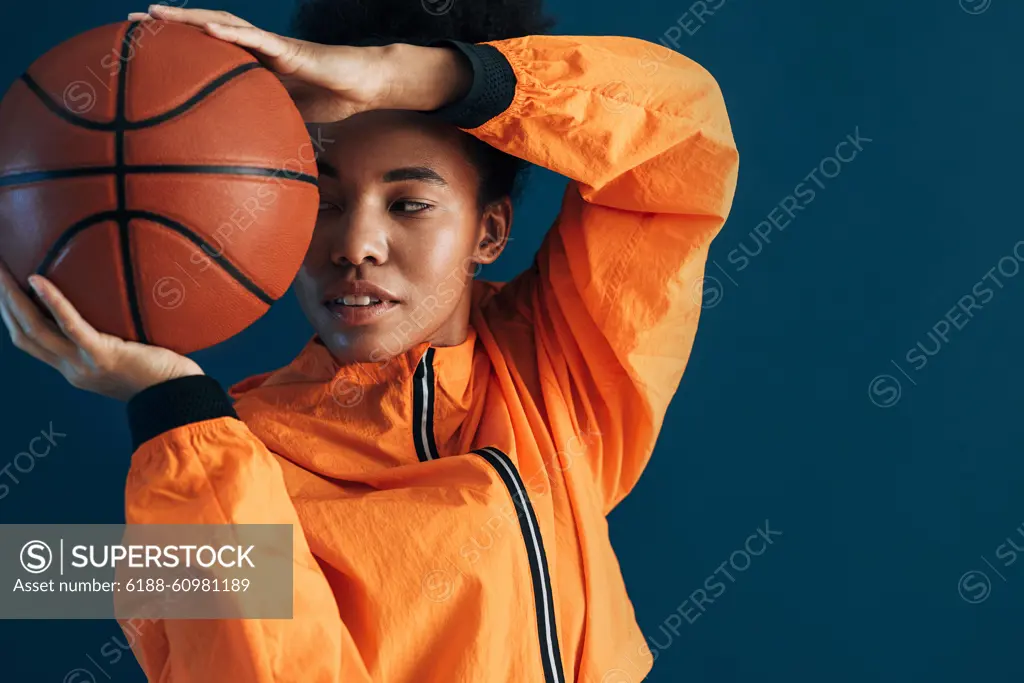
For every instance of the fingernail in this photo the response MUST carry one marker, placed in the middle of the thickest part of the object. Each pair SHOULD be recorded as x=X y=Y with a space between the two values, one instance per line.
x=33 y=282
x=137 y=15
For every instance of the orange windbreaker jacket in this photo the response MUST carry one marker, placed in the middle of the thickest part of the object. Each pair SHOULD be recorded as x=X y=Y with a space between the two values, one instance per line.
x=452 y=500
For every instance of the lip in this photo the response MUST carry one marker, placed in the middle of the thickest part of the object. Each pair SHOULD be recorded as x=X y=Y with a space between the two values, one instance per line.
x=361 y=315
x=358 y=288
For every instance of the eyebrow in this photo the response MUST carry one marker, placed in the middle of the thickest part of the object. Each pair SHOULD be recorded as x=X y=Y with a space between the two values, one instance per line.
x=422 y=173
x=395 y=175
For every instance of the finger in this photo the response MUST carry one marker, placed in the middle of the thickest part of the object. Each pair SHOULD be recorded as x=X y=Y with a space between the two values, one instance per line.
x=6 y=279
x=31 y=322
x=139 y=16
x=25 y=342
x=11 y=291
x=69 y=320
x=195 y=17
x=268 y=44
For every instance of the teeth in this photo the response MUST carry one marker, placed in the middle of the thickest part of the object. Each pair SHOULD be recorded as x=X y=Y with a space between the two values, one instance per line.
x=351 y=300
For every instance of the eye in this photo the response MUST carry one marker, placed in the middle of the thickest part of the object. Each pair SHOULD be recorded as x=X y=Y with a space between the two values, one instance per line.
x=410 y=206
x=328 y=206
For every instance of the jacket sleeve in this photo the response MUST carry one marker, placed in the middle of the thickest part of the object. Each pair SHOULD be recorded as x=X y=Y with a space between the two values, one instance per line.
x=195 y=462
x=615 y=292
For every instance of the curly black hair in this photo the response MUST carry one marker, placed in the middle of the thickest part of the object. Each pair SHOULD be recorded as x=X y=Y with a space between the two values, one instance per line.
x=421 y=22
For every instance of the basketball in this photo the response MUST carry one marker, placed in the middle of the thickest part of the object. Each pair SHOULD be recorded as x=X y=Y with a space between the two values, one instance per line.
x=161 y=178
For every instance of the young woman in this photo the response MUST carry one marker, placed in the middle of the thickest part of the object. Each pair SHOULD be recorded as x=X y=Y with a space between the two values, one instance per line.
x=449 y=447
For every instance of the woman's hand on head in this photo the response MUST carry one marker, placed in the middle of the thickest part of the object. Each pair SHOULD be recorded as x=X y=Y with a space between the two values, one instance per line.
x=88 y=359
x=327 y=83
x=332 y=82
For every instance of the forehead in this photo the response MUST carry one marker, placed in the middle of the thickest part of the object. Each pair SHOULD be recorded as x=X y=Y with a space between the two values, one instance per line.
x=366 y=146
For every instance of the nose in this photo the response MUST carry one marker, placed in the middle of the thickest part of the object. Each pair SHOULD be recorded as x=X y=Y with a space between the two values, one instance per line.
x=359 y=239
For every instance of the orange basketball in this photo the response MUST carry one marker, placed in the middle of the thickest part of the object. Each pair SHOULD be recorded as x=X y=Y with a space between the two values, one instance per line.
x=161 y=178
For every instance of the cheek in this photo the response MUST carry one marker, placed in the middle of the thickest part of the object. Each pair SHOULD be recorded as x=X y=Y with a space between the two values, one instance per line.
x=438 y=268
x=441 y=275
x=444 y=252
x=319 y=246
x=443 y=257
x=305 y=289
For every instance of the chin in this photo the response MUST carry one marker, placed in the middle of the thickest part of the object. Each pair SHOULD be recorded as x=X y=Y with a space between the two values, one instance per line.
x=362 y=344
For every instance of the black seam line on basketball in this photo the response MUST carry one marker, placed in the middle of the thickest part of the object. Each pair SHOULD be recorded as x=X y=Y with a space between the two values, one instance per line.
x=284 y=174
x=124 y=232
x=59 y=174
x=218 y=258
x=83 y=122
x=63 y=113
x=195 y=99
x=65 y=237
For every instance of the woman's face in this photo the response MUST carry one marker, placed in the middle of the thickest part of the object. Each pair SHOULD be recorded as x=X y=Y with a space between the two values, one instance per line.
x=398 y=237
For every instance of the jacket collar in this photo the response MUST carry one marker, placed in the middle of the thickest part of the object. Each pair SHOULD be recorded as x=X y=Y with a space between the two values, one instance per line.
x=315 y=365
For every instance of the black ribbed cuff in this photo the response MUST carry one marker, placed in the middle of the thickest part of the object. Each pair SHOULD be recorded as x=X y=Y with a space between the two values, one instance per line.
x=176 y=403
x=492 y=91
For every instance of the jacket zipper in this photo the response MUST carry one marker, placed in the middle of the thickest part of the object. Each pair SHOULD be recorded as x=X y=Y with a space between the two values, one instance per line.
x=423 y=408
x=543 y=602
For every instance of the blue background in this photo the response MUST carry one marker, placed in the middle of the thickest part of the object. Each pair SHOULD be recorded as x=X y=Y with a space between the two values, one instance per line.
x=882 y=508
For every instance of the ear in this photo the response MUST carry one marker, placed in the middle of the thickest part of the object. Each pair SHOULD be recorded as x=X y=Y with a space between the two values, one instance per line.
x=494 y=231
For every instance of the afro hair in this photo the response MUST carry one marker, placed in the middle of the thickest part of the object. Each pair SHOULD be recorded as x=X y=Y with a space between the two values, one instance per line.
x=362 y=23
x=417 y=22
